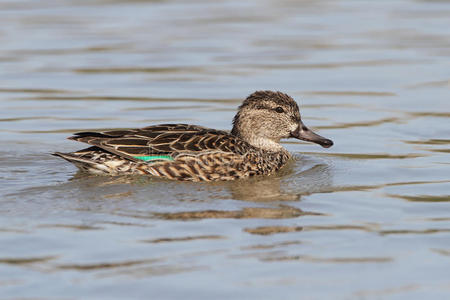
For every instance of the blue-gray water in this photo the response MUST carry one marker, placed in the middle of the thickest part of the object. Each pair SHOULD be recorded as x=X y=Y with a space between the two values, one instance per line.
x=368 y=218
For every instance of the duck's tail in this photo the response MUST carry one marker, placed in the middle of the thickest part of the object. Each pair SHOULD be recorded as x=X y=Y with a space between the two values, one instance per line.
x=85 y=164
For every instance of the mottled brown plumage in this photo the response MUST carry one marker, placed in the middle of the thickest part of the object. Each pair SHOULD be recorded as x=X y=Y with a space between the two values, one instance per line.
x=195 y=153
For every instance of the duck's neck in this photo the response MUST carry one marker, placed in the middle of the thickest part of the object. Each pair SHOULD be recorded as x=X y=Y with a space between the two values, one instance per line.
x=259 y=142
x=264 y=144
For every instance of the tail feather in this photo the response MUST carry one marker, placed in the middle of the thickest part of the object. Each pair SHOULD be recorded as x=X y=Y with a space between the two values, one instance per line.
x=84 y=164
x=73 y=158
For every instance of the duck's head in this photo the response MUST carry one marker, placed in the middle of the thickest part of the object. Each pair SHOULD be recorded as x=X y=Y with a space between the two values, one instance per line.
x=265 y=117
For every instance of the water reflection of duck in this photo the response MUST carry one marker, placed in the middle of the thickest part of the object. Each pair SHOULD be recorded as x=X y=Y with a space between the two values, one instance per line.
x=194 y=153
x=284 y=186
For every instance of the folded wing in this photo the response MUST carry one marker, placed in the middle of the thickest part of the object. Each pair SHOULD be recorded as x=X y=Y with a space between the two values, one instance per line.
x=162 y=142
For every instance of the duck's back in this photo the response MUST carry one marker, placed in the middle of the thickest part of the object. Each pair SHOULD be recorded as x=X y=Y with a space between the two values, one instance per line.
x=165 y=140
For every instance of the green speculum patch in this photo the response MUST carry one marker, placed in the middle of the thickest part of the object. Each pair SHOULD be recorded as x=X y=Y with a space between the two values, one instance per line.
x=154 y=157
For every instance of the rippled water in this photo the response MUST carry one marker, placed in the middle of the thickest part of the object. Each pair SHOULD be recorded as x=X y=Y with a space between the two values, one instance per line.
x=366 y=219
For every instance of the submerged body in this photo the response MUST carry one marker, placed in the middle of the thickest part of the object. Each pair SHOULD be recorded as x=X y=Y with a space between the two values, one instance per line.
x=195 y=153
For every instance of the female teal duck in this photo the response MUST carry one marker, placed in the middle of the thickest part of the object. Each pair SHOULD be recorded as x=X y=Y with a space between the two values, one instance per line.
x=195 y=153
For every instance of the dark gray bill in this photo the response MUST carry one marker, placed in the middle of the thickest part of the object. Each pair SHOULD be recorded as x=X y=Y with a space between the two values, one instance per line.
x=303 y=133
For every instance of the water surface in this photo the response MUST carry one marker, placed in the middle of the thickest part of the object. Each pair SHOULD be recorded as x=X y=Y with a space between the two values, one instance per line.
x=366 y=219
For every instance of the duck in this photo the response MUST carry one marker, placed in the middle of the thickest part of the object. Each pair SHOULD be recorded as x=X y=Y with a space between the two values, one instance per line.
x=195 y=153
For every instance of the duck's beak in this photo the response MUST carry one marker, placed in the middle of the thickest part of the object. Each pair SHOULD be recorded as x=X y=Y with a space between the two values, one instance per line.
x=303 y=133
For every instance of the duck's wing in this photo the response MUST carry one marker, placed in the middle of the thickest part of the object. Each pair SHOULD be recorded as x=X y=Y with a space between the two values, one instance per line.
x=161 y=142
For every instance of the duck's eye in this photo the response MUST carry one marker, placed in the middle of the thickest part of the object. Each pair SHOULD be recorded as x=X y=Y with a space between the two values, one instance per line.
x=279 y=110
